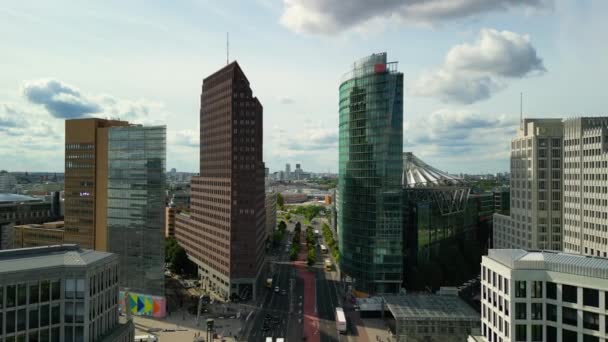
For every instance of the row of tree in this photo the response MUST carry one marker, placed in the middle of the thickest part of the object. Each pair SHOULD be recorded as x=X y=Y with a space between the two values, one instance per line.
x=308 y=211
x=295 y=242
x=331 y=242
x=279 y=234
x=310 y=243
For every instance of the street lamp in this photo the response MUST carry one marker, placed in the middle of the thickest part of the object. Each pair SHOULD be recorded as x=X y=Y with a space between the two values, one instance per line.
x=209 y=329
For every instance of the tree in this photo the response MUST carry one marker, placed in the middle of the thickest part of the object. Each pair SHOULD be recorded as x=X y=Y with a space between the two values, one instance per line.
x=312 y=257
x=280 y=201
x=277 y=237
x=288 y=216
x=282 y=226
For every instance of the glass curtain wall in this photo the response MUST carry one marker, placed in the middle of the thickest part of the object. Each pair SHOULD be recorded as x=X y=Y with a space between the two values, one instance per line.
x=136 y=202
x=370 y=169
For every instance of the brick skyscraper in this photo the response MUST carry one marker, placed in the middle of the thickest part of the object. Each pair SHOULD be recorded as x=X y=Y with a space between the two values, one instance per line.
x=224 y=232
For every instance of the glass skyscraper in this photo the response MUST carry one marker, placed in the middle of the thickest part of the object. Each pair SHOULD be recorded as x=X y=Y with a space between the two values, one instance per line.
x=136 y=206
x=370 y=170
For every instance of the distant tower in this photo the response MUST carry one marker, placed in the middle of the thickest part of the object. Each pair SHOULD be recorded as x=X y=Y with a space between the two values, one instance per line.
x=287 y=171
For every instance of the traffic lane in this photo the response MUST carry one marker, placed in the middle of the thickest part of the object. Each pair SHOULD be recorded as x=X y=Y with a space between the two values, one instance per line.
x=326 y=306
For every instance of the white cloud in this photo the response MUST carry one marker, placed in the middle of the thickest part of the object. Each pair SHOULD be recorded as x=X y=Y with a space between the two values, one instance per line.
x=331 y=16
x=460 y=139
x=473 y=72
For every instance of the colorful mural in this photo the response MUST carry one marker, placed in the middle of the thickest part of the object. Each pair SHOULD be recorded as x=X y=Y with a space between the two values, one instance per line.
x=143 y=305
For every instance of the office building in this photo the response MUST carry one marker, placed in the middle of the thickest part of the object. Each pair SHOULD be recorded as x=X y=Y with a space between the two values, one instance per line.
x=225 y=230
x=586 y=186
x=370 y=170
x=543 y=296
x=60 y=293
x=35 y=235
x=536 y=189
x=170 y=214
x=446 y=228
x=86 y=181
x=288 y=171
x=136 y=206
x=17 y=210
x=7 y=182
x=271 y=213
x=430 y=318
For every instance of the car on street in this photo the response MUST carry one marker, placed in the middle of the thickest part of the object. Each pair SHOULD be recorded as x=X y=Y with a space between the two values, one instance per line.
x=276 y=289
x=283 y=292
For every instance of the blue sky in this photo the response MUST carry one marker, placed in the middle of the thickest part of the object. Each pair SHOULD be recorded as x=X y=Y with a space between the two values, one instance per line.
x=465 y=63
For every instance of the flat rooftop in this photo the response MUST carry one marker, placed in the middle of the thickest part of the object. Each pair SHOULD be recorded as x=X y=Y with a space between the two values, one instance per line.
x=9 y=198
x=35 y=258
x=417 y=307
x=575 y=264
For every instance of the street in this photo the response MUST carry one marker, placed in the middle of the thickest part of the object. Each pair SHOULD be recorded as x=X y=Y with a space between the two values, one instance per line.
x=304 y=307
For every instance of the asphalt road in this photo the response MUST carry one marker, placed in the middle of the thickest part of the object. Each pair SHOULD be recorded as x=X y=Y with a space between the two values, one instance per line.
x=284 y=310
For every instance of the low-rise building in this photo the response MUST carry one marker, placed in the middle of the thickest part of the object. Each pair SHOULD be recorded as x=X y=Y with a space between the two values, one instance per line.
x=17 y=210
x=543 y=296
x=60 y=293
x=431 y=318
x=34 y=235
x=170 y=213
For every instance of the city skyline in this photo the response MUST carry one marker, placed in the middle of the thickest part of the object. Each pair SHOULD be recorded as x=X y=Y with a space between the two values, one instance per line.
x=461 y=100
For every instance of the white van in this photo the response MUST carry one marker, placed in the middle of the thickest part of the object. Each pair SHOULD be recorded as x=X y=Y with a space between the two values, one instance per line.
x=145 y=338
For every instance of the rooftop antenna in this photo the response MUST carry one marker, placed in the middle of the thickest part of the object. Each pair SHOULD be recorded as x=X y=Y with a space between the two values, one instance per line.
x=227 y=47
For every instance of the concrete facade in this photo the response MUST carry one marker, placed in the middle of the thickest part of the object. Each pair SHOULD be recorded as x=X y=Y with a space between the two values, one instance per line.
x=543 y=296
x=60 y=293
x=586 y=186
x=536 y=188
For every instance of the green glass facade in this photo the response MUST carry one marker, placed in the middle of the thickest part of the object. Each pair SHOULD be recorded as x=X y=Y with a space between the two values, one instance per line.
x=370 y=169
x=136 y=206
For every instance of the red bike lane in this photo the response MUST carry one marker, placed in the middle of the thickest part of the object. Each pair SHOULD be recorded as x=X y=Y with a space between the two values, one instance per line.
x=310 y=324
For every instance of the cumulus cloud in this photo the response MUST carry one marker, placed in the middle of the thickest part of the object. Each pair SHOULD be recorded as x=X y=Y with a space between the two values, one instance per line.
x=473 y=72
x=312 y=139
x=331 y=16
x=64 y=101
x=457 y=135
x=61 y=100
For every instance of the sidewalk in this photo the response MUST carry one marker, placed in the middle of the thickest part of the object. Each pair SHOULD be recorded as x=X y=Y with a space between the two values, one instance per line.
x=181 y=326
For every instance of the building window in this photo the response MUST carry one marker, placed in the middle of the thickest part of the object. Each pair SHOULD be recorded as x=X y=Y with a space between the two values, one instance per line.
x=11 y=293
x=34 y=293
x=537 y=289
x=569 y=335
x=569 y=316
x=590 y=338
x=569 y=294
x=551 y=312
x=591 y=297
x=520 y=310
x=521 y=332
x=537 y=333
x=537 y=311
x=551 y=290
x=70 y=287
x=21 y=294
x=551 y=334
x=520 y=289
x=591 y=320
